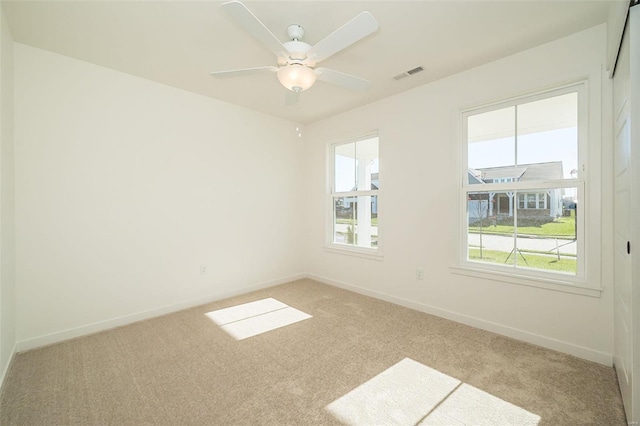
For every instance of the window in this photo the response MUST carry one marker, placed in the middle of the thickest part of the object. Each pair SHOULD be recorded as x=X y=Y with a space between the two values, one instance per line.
x=522 y=192
x=354 y=194
x=499 y=180
x=532 y=201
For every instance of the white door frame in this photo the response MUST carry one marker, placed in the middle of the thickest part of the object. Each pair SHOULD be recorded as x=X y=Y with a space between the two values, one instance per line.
x=634 y=28
x=626 y=211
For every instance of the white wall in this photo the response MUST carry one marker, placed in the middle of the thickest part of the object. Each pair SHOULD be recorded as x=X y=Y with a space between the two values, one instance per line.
x=419 y=138
x=7 y=249
x=124 y=187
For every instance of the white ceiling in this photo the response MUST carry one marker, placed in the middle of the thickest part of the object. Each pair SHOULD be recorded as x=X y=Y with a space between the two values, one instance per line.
x=179 y=42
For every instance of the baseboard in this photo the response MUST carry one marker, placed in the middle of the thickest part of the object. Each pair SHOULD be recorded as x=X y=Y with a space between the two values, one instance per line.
x=7 y=367
x=96 y=327
x=525 y=336
x=536 y=339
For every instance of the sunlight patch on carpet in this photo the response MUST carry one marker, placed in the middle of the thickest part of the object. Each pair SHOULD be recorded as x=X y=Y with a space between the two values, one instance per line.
x=402 y=394
x=251 y=319
x=246 y=310
x=471 y=406
x=412 y=393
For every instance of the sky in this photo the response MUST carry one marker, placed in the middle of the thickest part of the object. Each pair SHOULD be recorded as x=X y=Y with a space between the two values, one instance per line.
x=346 y=165
x=553 y=145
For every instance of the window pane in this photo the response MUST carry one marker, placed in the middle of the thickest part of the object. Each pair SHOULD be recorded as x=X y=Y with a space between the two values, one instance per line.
x=491 y=146
x=547 y=142
x=367 y=164
x=355 y=221
x=345 y=167
x=357 y=166
x=548 y=138
x=490 y=227
x=546 y=234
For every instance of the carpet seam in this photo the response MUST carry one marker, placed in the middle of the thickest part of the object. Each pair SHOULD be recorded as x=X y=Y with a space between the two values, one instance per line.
x=254 y=316
x=438 y=404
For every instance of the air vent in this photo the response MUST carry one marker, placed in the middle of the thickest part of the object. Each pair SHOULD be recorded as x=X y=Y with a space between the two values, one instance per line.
x=408 y=73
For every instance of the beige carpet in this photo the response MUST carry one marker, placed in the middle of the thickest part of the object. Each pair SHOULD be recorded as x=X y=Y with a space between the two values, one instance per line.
x=183 y=369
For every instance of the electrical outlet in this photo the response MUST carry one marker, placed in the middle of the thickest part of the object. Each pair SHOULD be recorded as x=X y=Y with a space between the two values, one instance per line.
x=203 y=269
x=419 y=273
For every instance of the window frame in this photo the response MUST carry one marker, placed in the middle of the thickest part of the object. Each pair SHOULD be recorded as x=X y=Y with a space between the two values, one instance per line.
x=577 y=283
x=374 y=253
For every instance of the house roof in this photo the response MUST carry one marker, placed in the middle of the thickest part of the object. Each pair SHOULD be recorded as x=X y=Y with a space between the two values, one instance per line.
x=523 y=172
x=540 y=171
x=474 y=176
x=502 y=172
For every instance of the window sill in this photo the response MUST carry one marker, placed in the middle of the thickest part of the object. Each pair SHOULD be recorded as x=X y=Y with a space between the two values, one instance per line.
x=372 y=254
x=545 y=283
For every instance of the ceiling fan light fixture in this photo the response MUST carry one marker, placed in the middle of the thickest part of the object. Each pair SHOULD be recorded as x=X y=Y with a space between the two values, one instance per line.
x=296 y=77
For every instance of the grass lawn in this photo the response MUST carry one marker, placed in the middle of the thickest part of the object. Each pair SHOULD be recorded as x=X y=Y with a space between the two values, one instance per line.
x=535 y=261
x=563 y=227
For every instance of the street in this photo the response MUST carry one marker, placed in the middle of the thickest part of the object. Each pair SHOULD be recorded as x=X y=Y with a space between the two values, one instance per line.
x=505 y=243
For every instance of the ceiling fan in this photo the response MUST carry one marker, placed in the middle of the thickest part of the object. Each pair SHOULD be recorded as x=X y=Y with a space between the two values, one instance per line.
x=297 y=67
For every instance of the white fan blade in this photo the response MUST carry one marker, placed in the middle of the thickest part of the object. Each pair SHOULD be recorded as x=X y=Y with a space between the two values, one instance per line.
x=255 y=27
x=244 y=71
x=291 y=98
x=354 y=30
x=341 y=79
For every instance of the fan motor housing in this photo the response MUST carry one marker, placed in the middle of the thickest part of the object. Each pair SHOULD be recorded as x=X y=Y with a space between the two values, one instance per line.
x=295 y=32
x=297 y=50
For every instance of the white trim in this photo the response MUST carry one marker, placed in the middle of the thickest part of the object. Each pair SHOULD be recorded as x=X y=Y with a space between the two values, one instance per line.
x=634 y=114
x=581 y=88
x=562 y=88
x=350 y=194
x=522 y=335
x=556 y=284
x=615 y=28
x=7 y=368
x=354 y=251
x=96 y=327
x=332 y=194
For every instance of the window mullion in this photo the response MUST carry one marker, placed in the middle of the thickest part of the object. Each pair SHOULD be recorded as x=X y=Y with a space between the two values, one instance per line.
x=370 y=192
x=515 y=231
x=515 y=136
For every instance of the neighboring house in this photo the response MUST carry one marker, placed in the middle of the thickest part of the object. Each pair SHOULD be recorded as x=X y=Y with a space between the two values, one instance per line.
x=345 y=208
x=543 y=204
